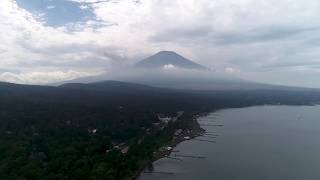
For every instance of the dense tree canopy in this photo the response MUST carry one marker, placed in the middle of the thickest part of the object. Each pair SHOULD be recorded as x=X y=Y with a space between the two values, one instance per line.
x=73 y=131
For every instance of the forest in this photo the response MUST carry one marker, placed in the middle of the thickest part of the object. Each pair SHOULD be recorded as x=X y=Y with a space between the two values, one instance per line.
x=105 y=130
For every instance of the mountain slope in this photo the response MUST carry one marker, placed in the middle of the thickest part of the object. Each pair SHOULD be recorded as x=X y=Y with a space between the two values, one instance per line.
x=168 y=69
x=168 y=58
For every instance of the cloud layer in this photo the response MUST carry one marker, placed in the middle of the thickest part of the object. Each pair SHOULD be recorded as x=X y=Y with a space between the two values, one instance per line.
x=268 y=41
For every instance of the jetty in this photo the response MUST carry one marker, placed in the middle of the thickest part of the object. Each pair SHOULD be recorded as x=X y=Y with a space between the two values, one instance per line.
x=189 y=156
x=204 y=140
x=209 y=136
x=174 y=158
x=159 y=172
x=214 y=125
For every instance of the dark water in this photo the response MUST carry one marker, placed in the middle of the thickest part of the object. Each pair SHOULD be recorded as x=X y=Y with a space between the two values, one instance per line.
x=255 y=143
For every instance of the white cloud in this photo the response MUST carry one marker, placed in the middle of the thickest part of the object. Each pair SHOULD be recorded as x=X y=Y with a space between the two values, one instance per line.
x=169 y=66
x=231 y=70
x=248 y=35
x=84 y=7
x=42 y=77
x=51 y=7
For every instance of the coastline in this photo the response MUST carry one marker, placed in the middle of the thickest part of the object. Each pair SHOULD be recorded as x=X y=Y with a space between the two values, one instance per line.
x=196 y=131
x=236 y=123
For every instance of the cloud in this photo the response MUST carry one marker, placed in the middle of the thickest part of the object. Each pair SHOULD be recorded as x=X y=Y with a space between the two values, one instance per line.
x=231 y=70
x=263 y=35
x=43 y=77
x=182 y=34
x=169 y=66
x=250 y=36
x=51 y=7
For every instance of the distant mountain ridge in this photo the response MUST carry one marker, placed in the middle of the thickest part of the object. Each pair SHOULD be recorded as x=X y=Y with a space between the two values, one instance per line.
x=186 y=75
x=168 y=59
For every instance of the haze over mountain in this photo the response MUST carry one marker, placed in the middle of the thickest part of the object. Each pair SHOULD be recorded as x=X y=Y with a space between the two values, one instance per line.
x=168 y=59
x=167 y=69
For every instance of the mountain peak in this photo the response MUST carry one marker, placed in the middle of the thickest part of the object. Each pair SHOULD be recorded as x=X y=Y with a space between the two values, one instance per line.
x=168 y=59
x=167 y=52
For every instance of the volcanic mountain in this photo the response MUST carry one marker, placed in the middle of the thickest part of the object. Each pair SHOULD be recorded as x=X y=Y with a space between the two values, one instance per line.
x=167 y=69
x=168 y=59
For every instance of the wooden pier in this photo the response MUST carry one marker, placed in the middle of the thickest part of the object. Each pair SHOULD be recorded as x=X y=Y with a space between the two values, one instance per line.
x=189 y=156
x=159 y=172
x=205 y=140
x=213 y=125
x=174 y=158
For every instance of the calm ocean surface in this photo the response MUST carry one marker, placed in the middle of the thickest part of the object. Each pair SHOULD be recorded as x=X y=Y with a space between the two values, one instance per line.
x=255 y=143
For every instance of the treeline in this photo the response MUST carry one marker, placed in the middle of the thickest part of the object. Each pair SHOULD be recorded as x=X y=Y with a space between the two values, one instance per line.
x=78 y=131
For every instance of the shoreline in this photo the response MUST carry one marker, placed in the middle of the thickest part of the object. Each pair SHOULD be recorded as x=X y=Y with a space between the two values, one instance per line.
x=195 y=132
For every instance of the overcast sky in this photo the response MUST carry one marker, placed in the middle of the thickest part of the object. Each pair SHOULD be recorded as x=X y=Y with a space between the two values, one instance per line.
x=273 y=41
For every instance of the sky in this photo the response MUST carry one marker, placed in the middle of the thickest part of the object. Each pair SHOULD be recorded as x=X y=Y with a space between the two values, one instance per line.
x=269 y=41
